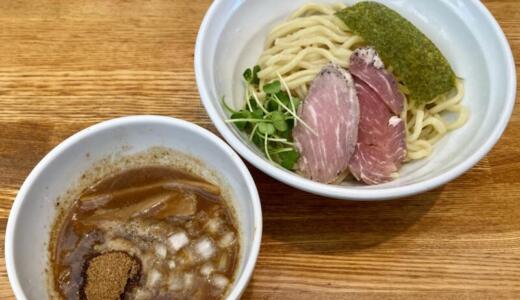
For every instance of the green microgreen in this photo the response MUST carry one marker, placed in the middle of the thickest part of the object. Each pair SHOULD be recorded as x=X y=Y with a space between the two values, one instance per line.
x=251 y=75
x=269 y=123
x=273 y=87
x=293 y=113
x=266 y=128
x=288 y=159
x=279 y=121
x=248 y=75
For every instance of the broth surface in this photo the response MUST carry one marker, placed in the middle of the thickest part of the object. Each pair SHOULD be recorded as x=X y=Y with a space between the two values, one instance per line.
x=171 y=230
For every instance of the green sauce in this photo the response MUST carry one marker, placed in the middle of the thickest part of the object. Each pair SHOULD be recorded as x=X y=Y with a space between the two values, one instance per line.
x=415 y=60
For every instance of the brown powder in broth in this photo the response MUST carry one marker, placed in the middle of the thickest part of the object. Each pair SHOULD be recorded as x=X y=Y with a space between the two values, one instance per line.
x=179 y=228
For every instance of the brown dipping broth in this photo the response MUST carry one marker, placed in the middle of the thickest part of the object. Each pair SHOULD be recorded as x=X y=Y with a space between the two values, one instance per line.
x=148 y=213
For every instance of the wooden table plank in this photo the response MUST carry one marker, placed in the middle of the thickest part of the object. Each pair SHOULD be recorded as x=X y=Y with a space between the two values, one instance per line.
x=65 y=65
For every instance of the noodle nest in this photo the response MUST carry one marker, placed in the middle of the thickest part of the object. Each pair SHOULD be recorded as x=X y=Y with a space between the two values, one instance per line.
x=312 y=37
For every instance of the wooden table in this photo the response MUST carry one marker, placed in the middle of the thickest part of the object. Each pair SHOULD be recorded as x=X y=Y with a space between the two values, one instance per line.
x=67 y=64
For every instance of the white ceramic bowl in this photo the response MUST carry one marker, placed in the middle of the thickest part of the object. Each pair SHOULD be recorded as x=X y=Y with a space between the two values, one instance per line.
x=34 y=209
x=232 y=36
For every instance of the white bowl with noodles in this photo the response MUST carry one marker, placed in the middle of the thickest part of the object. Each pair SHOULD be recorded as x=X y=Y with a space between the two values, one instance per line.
x=232 y=38
x=113 y=144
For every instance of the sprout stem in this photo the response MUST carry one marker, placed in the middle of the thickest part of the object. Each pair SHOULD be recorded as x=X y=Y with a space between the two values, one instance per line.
x=294 y=115
x=226 y=106
x=283 y=141
x=253 y=132
x=266 y=149
x=248 y=120
x=289 y=93
x=282 y=150
x=258 y=102
x=247 y=99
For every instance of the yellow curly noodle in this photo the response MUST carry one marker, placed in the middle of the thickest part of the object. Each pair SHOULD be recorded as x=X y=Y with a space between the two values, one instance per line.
x=312 y=37
x=425 y=125
x=298 y=48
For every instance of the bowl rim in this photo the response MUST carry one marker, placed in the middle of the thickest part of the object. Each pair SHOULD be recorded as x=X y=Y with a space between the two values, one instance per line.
x=344 y=192
x=250 y=259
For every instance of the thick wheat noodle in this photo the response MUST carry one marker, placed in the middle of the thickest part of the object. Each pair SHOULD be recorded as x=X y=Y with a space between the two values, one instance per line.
x=293 y=49
x=288 y=57
x=313 y=41
x=270 y=71
x=302 y=73
x=282 y=50
x=438 y=124
x=339 y=6
x=432 y=119
x=417 y=127
x=284 y=57
x=312 y=37
x=356 y=39
x=435 y=139
x=314 y=57
x=461 y=120
x=428 y=130
x=311 y=65
x=315 y=30
x=450 y=102
x=306 y=22
x=409 y=123
x=419 y=149
x=298 y=82
x=278 y=49
x=419 y=145
x=288 y=31
x=312 y=8
x=455 y=108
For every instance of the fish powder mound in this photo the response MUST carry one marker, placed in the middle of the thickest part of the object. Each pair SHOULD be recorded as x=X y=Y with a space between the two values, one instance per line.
x=109 y=275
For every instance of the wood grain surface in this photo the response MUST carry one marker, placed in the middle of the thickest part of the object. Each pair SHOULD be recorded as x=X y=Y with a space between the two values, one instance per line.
x=67 y=64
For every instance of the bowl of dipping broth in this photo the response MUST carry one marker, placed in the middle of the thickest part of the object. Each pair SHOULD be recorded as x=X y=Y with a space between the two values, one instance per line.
x=142 y=207
x=336 y=97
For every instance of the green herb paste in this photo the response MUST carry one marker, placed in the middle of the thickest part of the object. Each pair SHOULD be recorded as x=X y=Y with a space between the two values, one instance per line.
x=414 y=59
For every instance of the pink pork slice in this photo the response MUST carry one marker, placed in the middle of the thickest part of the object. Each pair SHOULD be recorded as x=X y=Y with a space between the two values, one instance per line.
x=331 y=110
x=366 y=66
x=381 y=147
